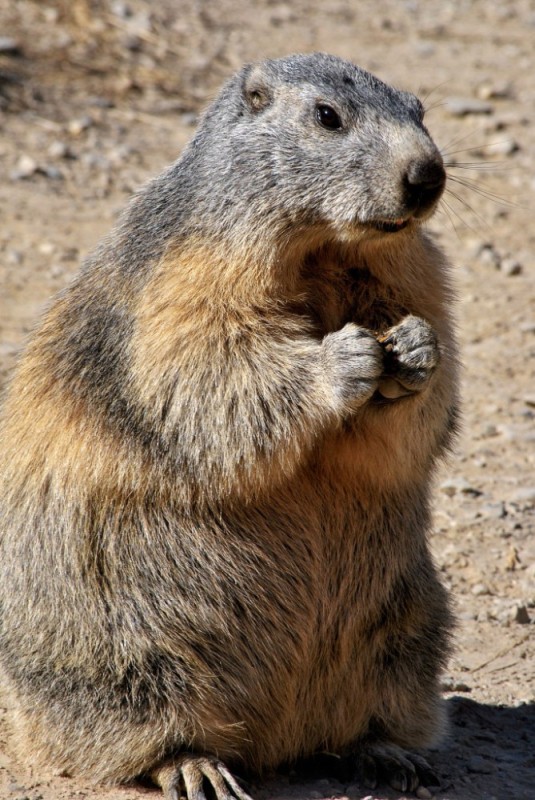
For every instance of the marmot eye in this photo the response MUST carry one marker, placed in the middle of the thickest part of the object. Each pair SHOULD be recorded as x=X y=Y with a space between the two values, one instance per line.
x=328 y=118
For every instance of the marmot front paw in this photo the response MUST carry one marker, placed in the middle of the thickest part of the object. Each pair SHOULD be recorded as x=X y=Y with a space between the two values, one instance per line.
x=354 y=361
x=411 y=355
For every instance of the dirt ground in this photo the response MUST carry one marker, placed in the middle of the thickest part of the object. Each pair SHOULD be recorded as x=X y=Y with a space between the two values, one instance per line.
x=96 y=96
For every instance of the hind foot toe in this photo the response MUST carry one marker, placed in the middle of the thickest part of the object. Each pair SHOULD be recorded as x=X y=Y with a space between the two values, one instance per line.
x=388 y=763
x=190 y=775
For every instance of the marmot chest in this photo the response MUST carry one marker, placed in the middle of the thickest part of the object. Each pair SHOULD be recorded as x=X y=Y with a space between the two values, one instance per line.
x=338 y=296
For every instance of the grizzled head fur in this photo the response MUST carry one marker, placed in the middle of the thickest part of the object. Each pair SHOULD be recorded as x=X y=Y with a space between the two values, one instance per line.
x=298 y=150
x=324 y=143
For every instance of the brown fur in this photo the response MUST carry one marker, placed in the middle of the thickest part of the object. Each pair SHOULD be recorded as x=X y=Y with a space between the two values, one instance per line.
x=224 y=555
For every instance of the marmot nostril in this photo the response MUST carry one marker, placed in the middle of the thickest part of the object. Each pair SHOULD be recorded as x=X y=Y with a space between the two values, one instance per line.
x=428 y=173
x=424 y=182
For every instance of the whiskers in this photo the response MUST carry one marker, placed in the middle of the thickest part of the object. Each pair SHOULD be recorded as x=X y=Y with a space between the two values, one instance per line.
x=466 y=195
x=461 y=181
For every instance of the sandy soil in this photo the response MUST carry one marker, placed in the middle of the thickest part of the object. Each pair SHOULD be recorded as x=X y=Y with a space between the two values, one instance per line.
x=97 y=96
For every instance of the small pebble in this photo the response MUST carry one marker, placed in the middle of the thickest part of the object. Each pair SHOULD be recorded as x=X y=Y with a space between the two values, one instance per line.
x=495 y=91
x=132 y=42
x=504 y=148
x=453 y=685
x=53 y=172
x=14 y=257
x=96 y=161
x=141 y=23
x=425 y=49
x=78 y=126
x=99 y=102
x=281 y=15
x=503 y=613
x=463 y=106
x=480 y=589
x=70 y=254
x=59 y=150
x=9 y=46
x=121 y=9
x=118 y=155
x=56 y=271
x=487 y=254
x=511 y=266
x=522 y=615
x=524 y=495
x=452 y=486
x=492 y=510
x=480 y=765
x=512 y=560
x=517 y=433
x=467 y=616
x=46 y=248
x=423 y=793
x=26 y=167
x=189 y=118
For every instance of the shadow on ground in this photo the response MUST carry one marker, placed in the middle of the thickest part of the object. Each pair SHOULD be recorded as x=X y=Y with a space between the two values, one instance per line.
x=489 y=755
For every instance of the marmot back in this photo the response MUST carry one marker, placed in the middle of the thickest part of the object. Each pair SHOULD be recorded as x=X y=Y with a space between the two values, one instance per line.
x=216 y=454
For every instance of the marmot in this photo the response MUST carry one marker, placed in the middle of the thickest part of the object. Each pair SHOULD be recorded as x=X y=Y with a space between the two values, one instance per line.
x=217 y=453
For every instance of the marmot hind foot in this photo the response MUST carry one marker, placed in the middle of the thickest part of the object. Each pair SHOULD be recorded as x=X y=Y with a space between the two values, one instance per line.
x=388 y=763
x=188 y=774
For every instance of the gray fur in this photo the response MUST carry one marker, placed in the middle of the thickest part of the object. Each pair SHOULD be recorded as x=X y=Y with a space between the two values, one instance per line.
x=214 y=506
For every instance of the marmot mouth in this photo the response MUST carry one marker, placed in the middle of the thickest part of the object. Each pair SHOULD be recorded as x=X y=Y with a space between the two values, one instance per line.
x=390 y=226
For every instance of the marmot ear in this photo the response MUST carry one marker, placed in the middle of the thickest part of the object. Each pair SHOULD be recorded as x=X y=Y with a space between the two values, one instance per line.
x=256 y=92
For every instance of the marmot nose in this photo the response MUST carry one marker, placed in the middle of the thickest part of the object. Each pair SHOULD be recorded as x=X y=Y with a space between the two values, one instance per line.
x=424 y=182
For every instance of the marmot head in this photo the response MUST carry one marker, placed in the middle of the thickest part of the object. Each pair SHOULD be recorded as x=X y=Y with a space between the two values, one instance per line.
x=324 y=142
